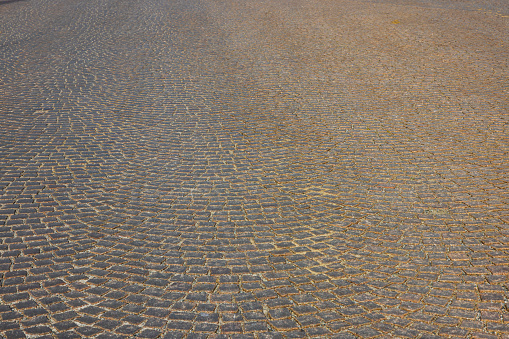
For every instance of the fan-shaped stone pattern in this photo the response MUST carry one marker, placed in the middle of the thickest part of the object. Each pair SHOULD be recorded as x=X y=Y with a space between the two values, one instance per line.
x=330 y=169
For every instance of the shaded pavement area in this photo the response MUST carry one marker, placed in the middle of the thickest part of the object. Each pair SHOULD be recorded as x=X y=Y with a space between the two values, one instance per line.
x=254 y=169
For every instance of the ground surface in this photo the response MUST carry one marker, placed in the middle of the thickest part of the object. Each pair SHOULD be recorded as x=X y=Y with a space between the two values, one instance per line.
x=254 y=168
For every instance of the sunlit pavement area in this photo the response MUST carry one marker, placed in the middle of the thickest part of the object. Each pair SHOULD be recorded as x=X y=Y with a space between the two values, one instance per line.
x=254 y=169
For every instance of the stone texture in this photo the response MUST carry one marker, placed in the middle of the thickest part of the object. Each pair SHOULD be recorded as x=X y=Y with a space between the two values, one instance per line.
x=247 y=169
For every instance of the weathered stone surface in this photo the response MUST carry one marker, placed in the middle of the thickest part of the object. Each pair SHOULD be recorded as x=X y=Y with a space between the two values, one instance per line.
x=247 y=169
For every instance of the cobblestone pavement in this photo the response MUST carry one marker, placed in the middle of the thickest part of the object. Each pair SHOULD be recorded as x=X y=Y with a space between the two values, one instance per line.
x=254 y=169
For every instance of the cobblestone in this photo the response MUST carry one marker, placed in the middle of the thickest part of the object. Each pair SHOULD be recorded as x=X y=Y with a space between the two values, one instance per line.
x=246 y=169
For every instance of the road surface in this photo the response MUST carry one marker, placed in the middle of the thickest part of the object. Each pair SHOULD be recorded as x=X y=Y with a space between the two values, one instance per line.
x=254 y=169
